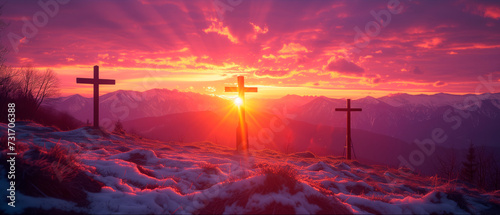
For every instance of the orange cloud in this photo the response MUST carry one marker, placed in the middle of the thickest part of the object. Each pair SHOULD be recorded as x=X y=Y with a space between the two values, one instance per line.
x=439 y=84
x=218 y=27
x=256 y=31
x=476 y=46
x=259 y=30
x=25 y=60
x=292 y=48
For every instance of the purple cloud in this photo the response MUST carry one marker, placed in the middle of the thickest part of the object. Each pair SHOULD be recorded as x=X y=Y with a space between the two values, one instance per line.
x=344 y=66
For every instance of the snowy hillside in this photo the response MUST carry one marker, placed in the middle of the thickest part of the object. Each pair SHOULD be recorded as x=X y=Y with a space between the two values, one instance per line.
x=125 y=174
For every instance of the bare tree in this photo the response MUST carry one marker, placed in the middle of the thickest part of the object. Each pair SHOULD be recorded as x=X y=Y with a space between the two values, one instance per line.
x=448 y=165
x=27 y=87
x=8 y=84
x=487 y=169
x=47 y=86
x=495 y=176
x=8 y=89
x=37 y=85
x=482 y=167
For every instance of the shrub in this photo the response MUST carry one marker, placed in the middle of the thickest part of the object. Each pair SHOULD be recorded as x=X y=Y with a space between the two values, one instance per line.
x=278 y=176
x=55 y=173
x=118 y=128
x=50 y=117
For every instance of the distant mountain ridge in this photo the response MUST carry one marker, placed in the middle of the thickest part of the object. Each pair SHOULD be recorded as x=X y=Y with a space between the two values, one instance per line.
x=127 y=105
x=409 y=117
x=402 y=116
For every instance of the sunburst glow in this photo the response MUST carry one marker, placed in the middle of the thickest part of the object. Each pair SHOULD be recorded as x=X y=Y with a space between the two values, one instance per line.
x=238 y=101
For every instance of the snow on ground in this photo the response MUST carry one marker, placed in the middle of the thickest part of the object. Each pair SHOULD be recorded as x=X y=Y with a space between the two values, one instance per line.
x=141 y=176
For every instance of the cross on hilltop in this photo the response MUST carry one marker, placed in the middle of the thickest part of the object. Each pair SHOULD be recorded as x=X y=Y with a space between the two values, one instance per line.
x=348 y=141
x=242 y=129
x=95 y=81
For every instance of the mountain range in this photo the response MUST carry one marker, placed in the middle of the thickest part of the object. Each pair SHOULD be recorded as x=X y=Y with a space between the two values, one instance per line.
x=385 y=129
x=402 y=116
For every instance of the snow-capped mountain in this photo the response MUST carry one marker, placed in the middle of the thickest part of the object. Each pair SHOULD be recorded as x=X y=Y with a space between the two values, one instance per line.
x=127 y=105
x=415 y=117
x=436 y=100
x=290 y=102
x=464 y=118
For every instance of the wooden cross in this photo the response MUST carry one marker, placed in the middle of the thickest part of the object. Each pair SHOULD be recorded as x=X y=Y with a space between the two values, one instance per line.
x=348 y=140
x=242 y=129
x=95 y=81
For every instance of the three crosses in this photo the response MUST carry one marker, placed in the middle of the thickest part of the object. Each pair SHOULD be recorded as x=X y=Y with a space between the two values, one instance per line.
x=242 y=128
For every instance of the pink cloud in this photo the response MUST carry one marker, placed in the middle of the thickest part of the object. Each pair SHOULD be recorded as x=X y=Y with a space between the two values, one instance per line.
x=430 y=43
x=492 y=12
x=487 y=11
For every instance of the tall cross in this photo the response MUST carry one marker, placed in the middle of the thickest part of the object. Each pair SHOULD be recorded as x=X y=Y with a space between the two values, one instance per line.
x=242 y=129
x=348 y=141
x=95 y=81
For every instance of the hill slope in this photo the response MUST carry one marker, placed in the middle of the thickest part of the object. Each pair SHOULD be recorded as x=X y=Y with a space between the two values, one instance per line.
x=132 y=175
x=294 y=136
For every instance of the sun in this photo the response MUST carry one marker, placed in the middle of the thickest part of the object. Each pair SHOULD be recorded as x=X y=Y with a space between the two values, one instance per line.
x=238 y=101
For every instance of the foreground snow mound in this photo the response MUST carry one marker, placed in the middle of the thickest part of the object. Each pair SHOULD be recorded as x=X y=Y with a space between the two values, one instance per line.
x=102 y=173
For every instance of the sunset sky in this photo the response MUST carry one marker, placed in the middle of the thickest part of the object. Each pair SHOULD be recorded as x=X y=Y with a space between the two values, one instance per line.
x=334 y=48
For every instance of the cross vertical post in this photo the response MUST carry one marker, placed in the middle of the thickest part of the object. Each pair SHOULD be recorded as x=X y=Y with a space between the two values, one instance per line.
x=96 y=97
x=242 y=128
x=96 y=82
x=348 y=140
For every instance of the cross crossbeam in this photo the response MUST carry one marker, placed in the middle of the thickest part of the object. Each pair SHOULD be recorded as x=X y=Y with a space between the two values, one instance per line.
x=242 y=129
x=247 y=89
x=96 y=82
x=348 y=141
